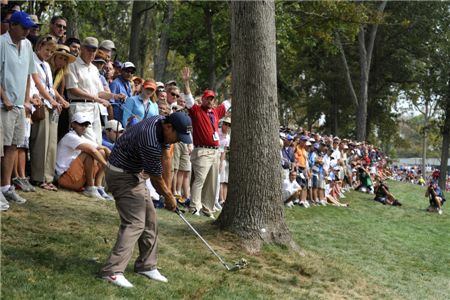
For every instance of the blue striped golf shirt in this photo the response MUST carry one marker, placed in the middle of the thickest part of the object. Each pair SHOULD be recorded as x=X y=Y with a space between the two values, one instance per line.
x=140 y=148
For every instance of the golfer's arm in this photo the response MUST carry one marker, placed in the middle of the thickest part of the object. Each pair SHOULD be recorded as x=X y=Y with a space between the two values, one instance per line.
x=167 y=167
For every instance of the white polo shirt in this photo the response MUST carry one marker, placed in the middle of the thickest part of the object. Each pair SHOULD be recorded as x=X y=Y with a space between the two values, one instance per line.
x=15 y=67
x=84 y=76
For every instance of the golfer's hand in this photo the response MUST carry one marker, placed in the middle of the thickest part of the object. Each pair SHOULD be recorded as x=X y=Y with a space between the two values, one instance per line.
x=170 y=204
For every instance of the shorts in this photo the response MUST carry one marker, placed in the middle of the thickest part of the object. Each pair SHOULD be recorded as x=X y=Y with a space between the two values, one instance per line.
x=75 y=177
x=26 y=140
x=13 y=122
x=181 y=159
x=223 y=176
x=301 y=178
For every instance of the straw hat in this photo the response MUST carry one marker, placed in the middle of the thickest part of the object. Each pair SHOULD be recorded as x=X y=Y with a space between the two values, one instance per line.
x=65 y=51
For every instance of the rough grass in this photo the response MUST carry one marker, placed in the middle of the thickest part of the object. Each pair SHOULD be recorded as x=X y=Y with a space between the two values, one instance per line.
x=53 y=246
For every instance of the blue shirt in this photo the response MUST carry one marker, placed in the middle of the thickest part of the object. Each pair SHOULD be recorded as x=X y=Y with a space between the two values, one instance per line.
x=119 y=85
x=140 y=148
x=106 y=142
x=15 y=67
x=135 y=106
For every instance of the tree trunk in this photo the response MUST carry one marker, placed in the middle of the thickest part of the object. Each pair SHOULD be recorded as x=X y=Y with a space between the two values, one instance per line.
x=211 y=47
x=334 y=115
x=147 y=23
x=71 y=14
x=136 y=26
x=254 y=209
x=445 y=140
x=160 y=61
x=425 y=137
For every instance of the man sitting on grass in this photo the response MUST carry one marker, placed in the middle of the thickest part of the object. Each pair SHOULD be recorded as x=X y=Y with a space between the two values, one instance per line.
x=434 y=193
x=383 y=195
x=80 y=162
x=292 y=191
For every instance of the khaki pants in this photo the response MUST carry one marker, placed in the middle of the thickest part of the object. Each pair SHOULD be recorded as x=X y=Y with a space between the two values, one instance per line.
x=137 y=224
x=43 y=142
x=205 y=165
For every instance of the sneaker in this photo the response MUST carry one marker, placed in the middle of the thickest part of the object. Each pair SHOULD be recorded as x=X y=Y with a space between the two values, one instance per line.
x=4 y=205
x=19 y=184
x=297 y=202
x=91 y=191
x=289 y=204
x=217 y=207
x=323 y=202
x=105 y=195
x=119 y=280
x=11 y=195
x=27 y=182
x=155 y=275
x=196 y=212
x=207 y=214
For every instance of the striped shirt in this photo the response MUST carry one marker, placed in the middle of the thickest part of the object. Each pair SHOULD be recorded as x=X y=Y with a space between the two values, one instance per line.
x=140 y=148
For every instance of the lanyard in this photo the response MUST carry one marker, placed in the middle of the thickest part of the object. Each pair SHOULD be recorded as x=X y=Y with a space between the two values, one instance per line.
x=211 y=118
x=47 y=81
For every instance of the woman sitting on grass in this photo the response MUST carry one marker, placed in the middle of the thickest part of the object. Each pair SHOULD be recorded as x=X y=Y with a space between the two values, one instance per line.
x=383 y=195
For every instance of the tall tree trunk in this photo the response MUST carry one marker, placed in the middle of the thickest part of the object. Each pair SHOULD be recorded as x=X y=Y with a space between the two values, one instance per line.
x=147 y=23
x=254 y=209
x=445 y=139
x=160 y=61
x=425 y=138
x=136 y=31
x=211 y=47
x=70 y=12
x=334 y=115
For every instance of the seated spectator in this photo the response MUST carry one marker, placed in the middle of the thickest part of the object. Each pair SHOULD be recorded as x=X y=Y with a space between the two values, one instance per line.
x=366 y=185
x=80 y=162
x=383 y=195
x=113 y=130
x=291 y=191
x=434 y=193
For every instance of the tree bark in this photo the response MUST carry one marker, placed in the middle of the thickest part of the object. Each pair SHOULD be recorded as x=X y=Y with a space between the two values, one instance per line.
x=254 y=209
x=71 y=14
x=160 y=61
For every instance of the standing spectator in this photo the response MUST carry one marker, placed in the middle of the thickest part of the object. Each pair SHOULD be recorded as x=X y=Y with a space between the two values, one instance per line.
x=108 y=47
x=85 y=89
x=205 y=156
x=58 y=26
x=109 y=72
x=17 y=64
x=173 y=94
x=44 y=133
x=224 y=169
x=33 y=36
x=74 y=45
x=141 y=106
x=80 y=162
x=122 y=85
x=59 y=64
x=138 y=154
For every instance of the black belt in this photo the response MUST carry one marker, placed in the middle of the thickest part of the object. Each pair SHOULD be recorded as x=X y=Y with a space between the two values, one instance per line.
x=81 y=101
x=207 y=147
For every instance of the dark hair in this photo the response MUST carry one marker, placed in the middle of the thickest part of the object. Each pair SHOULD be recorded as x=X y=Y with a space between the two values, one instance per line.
x=72 y=40
x=56 y=18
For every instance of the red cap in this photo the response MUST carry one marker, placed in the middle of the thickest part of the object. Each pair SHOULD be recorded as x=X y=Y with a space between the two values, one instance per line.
x=208 y=93
x=149 y=84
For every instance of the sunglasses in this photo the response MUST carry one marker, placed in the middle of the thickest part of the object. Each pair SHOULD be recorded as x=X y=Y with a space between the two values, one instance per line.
x=131 y=71
x=61 y=26
x=228 y=124
x=175 y=95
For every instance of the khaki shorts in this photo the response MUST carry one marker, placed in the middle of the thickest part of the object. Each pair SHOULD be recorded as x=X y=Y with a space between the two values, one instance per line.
x=13 y=123
x=181 y=158
x=75 y=177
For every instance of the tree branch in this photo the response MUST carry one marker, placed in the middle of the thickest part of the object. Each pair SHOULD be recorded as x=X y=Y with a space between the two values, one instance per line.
x=347 y=69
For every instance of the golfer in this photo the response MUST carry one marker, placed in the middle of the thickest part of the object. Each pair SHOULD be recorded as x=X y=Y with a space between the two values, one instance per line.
x=138 y=154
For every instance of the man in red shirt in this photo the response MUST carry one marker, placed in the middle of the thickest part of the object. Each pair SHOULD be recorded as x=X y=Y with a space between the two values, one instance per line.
x=205 y=156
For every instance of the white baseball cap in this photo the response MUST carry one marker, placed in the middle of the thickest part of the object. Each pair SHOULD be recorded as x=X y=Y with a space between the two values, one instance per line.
x=80 y=118
x=114 y=125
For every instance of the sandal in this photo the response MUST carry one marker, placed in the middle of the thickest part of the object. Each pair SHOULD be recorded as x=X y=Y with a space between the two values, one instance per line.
x=48 y=186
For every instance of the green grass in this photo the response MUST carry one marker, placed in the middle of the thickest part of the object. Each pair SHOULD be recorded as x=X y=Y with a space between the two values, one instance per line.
x=53 y=246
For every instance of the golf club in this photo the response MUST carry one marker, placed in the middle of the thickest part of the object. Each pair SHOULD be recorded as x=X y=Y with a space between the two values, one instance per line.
x=237 y=266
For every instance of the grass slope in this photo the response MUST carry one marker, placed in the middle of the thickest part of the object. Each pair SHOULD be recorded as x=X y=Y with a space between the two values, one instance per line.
x=53 y=246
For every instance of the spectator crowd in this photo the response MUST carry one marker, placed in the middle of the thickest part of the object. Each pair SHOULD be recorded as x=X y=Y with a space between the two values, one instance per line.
x=65 y=103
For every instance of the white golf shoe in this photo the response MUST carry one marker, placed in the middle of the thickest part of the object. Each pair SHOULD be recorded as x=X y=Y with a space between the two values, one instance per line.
x=155 y=275
x=119 y=280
